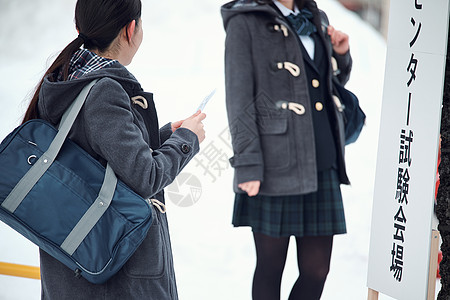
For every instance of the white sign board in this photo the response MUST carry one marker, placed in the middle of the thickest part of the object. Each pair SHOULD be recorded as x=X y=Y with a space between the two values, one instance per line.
x=408 y=146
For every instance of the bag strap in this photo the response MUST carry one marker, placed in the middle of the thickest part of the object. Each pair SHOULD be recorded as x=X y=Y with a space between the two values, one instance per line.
x=27 y=182
x=24 y=186
x=93 y=214
x=324 y=22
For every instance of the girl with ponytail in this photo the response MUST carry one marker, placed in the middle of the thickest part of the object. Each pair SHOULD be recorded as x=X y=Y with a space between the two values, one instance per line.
x=117 y=125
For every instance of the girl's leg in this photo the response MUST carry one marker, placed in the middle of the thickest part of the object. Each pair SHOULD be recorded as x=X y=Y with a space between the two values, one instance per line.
x=313 y=255
x=270 y=260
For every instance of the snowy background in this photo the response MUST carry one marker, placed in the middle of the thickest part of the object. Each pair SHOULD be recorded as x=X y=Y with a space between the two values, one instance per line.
x=181 y=61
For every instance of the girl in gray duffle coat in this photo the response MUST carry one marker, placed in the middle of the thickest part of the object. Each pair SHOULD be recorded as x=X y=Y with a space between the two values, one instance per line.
x=287 y=134
x=118 y=125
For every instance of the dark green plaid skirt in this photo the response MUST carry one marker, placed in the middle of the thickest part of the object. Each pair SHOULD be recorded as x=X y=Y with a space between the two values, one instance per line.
x=315 y=214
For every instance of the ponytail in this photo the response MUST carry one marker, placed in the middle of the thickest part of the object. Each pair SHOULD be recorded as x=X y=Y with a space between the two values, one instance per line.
x=98 y=22
x=61 y=62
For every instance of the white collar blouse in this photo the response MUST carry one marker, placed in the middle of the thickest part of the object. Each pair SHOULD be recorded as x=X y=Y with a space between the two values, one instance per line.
x=307 y=41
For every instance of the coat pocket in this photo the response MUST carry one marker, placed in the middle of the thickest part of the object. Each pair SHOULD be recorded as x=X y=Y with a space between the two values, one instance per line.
x=149 y=259
x=274 y=142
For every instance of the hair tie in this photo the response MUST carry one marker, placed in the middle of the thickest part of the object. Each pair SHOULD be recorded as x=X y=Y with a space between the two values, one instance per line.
x=83 y=37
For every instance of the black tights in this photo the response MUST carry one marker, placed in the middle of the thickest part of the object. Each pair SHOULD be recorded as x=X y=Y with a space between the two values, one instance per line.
x=313 y=256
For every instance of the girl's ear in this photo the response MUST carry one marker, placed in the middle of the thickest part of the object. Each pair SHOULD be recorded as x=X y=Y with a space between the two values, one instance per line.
x=130 y=30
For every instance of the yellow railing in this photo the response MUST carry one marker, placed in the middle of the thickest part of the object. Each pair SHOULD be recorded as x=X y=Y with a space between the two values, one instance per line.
x=19 y=270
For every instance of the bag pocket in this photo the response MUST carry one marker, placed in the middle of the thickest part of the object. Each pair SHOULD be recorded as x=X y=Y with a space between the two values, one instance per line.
x=149 y=259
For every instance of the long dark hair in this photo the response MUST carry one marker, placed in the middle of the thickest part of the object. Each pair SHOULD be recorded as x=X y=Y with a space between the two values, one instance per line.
x=98 y=22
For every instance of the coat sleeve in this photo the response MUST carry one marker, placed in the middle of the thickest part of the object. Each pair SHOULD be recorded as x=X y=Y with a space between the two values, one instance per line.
x=239 y=83
x=165 y=132
x=114 y=136
x=344 y=61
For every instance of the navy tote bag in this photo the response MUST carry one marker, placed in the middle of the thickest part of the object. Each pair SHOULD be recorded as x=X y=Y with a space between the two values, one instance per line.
x=63 y=200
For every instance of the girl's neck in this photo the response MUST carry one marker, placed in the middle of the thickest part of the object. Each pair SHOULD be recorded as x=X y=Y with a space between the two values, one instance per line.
x=288 y=3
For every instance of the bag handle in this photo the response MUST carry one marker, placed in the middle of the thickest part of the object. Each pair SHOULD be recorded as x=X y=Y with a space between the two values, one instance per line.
x=27 y=182
x=93 y=214
x=24 y=186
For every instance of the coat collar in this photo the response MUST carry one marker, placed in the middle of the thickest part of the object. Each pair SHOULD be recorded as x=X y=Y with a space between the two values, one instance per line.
x=284 y=10
x=317 y=20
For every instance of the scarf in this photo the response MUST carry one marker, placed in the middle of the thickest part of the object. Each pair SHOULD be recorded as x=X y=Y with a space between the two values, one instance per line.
x=84 y=61
x=302 y=22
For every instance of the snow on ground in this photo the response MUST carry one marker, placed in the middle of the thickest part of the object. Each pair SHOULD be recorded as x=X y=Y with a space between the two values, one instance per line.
x=181 y=61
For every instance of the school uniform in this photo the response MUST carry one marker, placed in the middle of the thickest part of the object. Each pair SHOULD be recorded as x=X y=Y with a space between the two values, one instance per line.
x=118 y=124
x=300 y=181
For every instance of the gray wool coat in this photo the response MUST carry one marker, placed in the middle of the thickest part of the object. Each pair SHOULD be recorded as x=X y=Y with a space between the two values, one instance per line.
x=114 y=128
x=268 y=103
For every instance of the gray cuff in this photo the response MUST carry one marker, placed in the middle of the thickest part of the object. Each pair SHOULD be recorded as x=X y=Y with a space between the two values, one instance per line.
x=190 y=145
x=246 y=159
x=165 y=132
x=249 y=173
x=248 y=167
x=345 y=66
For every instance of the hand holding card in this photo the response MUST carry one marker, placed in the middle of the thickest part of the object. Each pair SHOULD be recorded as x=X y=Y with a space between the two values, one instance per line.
x=205 y=101
x=194 y=124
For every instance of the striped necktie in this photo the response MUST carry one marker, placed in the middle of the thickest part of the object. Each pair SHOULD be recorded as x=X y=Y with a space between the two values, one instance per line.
x=302 y=22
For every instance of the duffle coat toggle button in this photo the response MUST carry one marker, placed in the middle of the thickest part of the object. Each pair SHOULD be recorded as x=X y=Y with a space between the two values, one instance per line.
x=292 y=106
x=158 y=204
x=340 y=106
x=335 y=67
x=292 y=68
x=281 y=27
x=141 y=101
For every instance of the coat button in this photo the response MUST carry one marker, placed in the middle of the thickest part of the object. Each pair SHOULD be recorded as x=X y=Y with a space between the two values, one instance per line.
x=185 y=148
x=334 y=64
x=315 y=83
x=319 y=106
